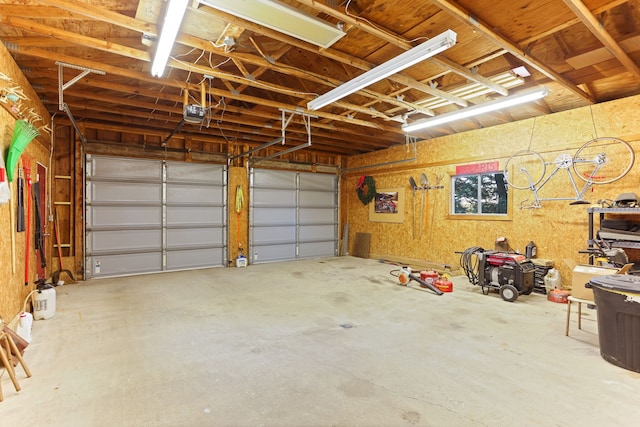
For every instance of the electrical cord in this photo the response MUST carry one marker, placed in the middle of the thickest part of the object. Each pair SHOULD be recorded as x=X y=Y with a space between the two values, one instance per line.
x=395 y=273
x=469 y=263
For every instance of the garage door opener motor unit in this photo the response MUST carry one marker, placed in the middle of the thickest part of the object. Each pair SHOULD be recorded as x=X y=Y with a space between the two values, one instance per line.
x=509 y=273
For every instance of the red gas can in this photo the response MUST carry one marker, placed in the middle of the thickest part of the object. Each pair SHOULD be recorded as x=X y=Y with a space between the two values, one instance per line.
x=429 y=276
x=444 y=285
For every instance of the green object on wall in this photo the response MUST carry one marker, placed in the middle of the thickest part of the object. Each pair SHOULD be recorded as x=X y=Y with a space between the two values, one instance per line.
x=23 y=134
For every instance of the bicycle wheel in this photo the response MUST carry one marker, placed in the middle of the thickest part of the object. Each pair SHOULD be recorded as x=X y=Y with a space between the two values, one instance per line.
x=603 y=160
x=524 y=169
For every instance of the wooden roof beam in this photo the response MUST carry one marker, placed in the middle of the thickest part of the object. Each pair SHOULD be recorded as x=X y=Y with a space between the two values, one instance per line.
x=466 y=17
x=143 y=27
x=592 y=23
x=403 y=43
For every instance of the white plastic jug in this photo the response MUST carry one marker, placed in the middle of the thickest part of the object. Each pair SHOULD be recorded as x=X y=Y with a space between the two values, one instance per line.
x=24 y=326
x=552 y=280
x=44 y=304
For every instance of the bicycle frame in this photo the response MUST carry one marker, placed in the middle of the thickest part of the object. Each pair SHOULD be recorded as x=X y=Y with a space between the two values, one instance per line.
x=559 y=165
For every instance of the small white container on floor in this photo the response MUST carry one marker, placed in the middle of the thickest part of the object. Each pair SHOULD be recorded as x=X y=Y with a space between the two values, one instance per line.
x=44 y=304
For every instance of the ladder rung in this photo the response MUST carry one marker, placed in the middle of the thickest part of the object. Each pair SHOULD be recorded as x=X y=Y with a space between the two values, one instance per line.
x=62 y=245
x=62 y=176
x=62 y=203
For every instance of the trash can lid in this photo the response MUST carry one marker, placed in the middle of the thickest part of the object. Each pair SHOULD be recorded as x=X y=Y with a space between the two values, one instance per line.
x=617 y=282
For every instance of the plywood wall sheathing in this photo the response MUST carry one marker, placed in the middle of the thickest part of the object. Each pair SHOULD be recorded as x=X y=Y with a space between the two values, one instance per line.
x=559 y=230
x=12 y=288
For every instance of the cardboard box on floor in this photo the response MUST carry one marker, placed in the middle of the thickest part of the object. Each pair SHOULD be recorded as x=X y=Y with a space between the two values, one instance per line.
x=583 y=273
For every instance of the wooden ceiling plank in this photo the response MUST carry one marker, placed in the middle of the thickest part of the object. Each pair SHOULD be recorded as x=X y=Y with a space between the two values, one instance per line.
x=144 y=56
x=104 y=15
x=197 y=68
x=131 y=23
x=610 y=5
x=37 y=12
x=466 y=17
x=105 y=46
x=401 y=42
x=592 y=23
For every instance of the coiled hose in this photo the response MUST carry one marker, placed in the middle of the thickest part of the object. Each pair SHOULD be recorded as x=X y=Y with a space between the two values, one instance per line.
x=469 y=263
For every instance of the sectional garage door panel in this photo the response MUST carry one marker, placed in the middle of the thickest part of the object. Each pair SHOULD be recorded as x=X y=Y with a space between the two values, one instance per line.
x=195 y=215
x=126 y=264
x=273 y=253
x=203 y=194
x=126 y=240
x=270 y=179
x=265 y=216
x=120 y=192
x=317 y=216
x=193 y=258
x=274 y=235
x=124 y=168
x=124 y=216
x=195 y=237
x=293 y=215
x=315 y=250
x=152 y=216
x=317 y=198
x=271 y=197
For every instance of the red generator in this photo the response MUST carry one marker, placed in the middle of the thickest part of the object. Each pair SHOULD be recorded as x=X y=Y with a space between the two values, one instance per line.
x=509 y=273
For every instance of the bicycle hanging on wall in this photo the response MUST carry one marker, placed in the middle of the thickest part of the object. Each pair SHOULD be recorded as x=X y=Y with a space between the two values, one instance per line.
x=599 y=161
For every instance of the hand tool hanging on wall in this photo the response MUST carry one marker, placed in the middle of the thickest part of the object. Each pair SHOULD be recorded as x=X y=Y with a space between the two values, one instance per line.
x=5 y=197
x=27 y=173
x=39 y=235
x=55 y=276
x=20 y=212
x=439 y=178
x=414 y=187
x=424 y=181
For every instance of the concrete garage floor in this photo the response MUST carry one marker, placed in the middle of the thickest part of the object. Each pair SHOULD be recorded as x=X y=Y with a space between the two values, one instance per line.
x=330 y=342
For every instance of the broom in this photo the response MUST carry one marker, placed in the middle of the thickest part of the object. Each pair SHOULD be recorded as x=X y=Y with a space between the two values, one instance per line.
x=23 y=134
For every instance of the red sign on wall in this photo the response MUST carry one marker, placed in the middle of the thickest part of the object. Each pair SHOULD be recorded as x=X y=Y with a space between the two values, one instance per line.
x=477 y=168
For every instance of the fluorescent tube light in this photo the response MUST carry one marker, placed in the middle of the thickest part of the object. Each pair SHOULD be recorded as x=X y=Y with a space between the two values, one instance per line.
x=282 y=18
x=172 y=21
x=509 y=101
x=411 y=57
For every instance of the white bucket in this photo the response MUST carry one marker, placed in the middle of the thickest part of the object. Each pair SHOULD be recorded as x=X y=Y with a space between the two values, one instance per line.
x=44 y=304
x=241 y=261
x=552 y=280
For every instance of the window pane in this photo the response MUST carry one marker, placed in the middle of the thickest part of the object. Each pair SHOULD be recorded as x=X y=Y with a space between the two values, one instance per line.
x=493 y=194
x=465 y=190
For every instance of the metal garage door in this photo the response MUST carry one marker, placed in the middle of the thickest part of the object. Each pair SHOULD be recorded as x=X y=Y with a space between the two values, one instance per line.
x=145 y=216
x=293 y=215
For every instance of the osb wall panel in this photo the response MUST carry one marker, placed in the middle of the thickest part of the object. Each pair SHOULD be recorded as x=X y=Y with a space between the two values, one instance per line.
x=238 y=177
x=559 y=230
x=12 y=262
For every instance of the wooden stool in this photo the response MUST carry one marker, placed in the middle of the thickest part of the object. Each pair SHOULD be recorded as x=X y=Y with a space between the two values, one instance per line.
x=579 y=301
x=7 y=347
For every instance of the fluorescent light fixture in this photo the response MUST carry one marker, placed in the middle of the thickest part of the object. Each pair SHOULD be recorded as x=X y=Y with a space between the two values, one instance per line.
x=411 y=57
x=509 y=101
x=282 y=18
x=172 y=21
x=507 y=80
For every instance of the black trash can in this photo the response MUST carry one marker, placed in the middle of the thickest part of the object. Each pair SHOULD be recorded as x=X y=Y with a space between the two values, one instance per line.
x=617 y=299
